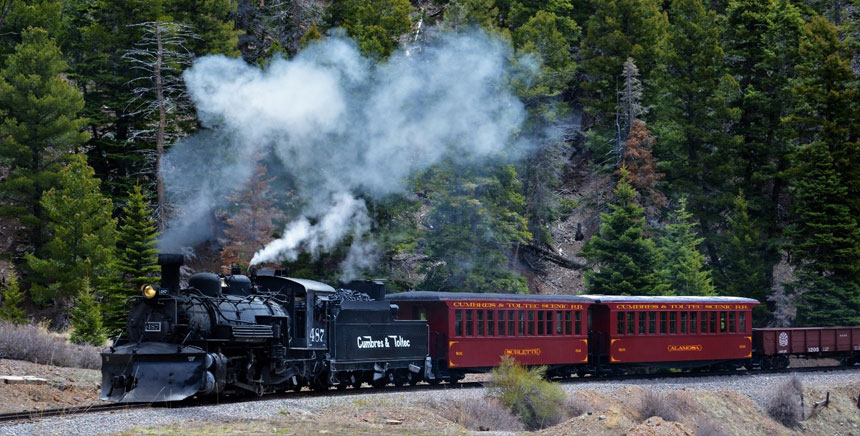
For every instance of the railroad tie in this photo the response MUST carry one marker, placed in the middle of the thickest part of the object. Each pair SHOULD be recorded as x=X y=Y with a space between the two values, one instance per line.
x=22 y=380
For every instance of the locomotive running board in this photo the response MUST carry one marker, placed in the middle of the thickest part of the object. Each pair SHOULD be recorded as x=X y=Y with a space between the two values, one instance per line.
x=152 y=372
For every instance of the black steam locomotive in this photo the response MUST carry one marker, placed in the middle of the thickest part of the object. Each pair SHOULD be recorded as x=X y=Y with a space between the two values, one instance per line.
x=264 y=333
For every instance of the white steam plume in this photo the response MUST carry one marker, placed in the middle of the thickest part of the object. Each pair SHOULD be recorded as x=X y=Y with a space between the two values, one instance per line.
x=341 y=124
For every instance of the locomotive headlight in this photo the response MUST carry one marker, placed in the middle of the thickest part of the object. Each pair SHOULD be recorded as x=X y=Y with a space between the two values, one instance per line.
x=148 y=291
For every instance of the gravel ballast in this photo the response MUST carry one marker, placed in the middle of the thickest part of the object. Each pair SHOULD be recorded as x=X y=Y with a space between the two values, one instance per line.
x=756 y=387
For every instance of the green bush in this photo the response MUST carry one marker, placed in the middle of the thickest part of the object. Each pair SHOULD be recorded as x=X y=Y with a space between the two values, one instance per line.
x=537 y=402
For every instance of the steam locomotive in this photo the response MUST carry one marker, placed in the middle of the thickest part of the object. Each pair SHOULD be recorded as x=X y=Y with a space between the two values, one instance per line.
x=258 y=334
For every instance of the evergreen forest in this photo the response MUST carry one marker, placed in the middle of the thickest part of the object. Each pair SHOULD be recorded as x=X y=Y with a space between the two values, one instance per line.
x=698 y=147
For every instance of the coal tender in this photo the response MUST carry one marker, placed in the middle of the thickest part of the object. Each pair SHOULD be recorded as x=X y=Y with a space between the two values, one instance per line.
x=225 y=334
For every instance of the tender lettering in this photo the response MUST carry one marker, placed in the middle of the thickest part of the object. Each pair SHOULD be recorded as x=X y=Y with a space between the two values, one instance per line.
x=522 y=351
x=391 y=341
x=675 y=348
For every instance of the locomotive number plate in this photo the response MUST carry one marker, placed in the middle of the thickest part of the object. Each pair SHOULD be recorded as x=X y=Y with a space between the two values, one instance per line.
x=152 y=327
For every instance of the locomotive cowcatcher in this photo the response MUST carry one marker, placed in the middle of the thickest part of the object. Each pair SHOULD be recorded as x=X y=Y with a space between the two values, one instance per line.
x=264 y=333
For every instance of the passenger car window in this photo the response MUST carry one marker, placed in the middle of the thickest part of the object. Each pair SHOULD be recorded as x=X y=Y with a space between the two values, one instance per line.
x=683 y=322
x=652 y=322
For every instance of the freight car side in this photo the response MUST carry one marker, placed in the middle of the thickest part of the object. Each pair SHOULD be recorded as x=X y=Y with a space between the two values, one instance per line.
x=773 y=346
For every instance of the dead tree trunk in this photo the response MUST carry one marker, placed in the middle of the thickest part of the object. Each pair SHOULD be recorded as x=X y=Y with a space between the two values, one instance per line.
x=159 y=139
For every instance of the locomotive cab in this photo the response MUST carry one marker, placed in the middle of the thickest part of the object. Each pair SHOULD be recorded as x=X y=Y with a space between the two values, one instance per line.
x=306 y=302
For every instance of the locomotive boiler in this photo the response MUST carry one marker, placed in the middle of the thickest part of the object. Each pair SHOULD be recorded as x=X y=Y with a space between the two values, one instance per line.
x=233 y=333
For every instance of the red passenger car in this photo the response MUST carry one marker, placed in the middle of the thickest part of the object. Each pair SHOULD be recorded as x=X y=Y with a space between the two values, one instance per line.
x=773 y=346
x=469 y=332
x=673 y=332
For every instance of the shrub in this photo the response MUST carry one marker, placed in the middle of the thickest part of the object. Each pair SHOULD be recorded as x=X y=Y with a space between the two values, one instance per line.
x=34 y=344
x=785 y=404
x=575 y=406
x=537 y=402
x=478 y=415
x=707 y=427
x=658 y=404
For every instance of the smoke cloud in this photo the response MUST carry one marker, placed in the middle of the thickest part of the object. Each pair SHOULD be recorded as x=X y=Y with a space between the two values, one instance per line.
x=340 y=125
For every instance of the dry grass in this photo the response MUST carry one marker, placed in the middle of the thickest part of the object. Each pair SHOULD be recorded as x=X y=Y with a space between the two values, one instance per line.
x=575 y=406
x=34 y=344
x=708 y=427
x=658 y=404
x=785 y=405
x=489 y=415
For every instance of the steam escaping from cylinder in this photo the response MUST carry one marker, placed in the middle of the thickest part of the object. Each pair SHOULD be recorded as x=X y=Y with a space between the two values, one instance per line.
x=339 y=125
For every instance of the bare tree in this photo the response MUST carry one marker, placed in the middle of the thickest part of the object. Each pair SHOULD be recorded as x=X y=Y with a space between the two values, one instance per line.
x=629 y=104
x=160 y=56
x=253 y=225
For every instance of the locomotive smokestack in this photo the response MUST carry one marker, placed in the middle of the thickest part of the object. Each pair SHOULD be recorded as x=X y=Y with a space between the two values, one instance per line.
x=170 y=264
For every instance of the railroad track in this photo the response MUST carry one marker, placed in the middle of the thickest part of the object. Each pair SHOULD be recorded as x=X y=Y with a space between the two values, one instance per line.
x=33 y=415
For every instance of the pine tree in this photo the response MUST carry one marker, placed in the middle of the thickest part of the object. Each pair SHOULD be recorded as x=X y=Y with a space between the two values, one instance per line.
x=692 y=117
x=833 y=301
x=39 y=129
x=618 y=30
x=744 y=272
x=684 y=265
x=761 y=40
x=105 y=32
x=825 y=239
x=626 y=260
x=137 y=258
x=16 y=16
x=311 y=35
x=825 y=233
x=211 y=21
x=86 y=318
x=475 y=220
x=12 y=298
x=551 y=39
x=470 y=14
x=374 y=24
x=83 y=238
x=137 y=253
x=829 y=90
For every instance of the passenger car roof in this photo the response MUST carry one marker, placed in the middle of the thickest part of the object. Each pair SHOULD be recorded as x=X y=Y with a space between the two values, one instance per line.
x=667 y=299
x=447 y=296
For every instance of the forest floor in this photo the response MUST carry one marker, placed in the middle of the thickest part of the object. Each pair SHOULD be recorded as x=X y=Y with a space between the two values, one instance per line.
x=66 y=387
x=608 y=411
